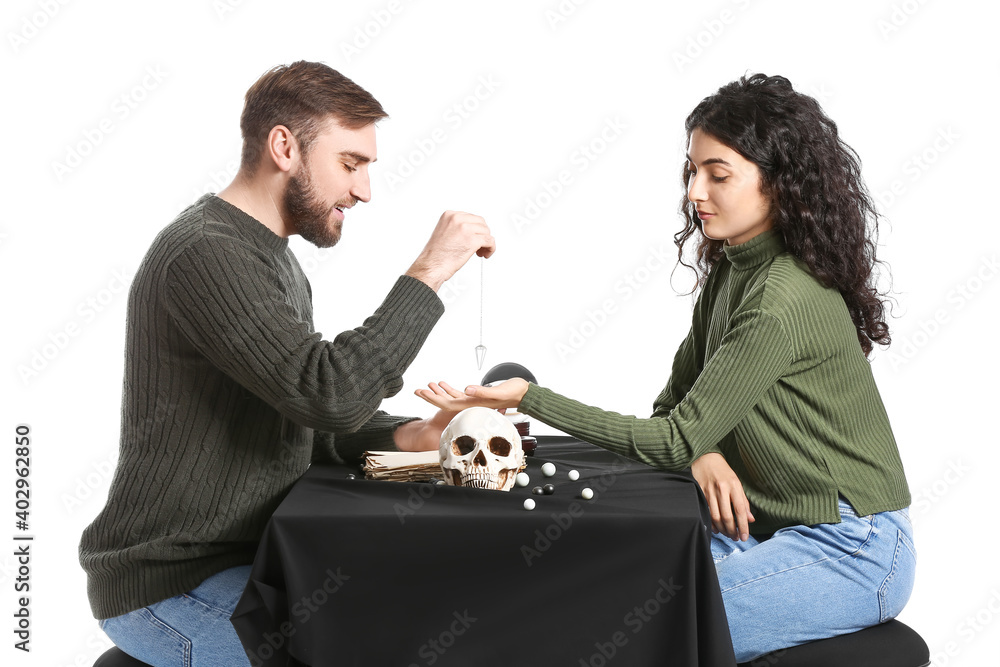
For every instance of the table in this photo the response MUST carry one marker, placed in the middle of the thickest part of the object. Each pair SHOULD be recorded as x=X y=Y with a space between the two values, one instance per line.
x=400 y=574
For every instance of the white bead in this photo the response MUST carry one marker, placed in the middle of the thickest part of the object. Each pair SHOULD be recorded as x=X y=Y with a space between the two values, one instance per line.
x=548 y=469
x=574 y=475
x=529 y=504
x=522 y=479
x=587 y=494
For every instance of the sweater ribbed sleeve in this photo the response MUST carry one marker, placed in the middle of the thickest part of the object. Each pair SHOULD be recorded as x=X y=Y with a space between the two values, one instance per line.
x=234 y=312
x=378 y=433
x=753 y=355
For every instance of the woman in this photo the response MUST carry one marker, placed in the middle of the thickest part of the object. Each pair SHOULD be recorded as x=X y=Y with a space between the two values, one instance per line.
x=771 y=398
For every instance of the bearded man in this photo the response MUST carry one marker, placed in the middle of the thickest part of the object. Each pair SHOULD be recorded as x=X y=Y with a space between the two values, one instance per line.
x=229 y=392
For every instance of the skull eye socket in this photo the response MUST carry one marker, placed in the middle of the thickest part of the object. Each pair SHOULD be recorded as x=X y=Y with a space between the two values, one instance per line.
x=500 y=446
x=463 y=444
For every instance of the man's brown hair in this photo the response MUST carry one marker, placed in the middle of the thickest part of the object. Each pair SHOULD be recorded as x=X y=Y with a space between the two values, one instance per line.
x=302 y=96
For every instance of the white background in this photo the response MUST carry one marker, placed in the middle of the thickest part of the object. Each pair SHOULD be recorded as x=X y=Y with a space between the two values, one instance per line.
x=901 y=79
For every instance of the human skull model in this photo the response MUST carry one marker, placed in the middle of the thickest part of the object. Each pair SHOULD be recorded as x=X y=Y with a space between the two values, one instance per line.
x=481 y=449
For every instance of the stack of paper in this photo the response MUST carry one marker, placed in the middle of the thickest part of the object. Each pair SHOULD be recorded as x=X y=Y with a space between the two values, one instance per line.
x=402 y=466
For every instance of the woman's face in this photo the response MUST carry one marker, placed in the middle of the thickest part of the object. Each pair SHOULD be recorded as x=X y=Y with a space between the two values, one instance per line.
x=725 y=188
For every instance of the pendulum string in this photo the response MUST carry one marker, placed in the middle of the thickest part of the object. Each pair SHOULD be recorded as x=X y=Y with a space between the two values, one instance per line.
x=481 y=349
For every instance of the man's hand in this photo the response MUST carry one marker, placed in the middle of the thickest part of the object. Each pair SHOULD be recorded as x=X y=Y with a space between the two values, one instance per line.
x=457 y=237
x=727 y=503
x=507 y=394
x=424 y=434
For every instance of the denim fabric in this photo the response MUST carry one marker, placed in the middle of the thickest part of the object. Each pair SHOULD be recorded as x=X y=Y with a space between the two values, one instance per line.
x=812 y=582
x=188 y=630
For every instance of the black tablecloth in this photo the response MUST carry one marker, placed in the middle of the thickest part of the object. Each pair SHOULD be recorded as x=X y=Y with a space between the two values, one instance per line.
x=358 y=572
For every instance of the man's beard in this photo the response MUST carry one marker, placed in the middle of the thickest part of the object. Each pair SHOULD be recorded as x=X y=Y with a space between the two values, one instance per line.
x=310 y=215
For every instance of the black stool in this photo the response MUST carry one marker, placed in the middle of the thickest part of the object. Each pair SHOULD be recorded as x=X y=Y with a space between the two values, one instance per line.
x=889 y=644
x=115 y=657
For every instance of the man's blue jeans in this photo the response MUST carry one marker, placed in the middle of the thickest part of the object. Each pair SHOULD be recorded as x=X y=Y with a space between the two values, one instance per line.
x=188 y=630
x=812 y=582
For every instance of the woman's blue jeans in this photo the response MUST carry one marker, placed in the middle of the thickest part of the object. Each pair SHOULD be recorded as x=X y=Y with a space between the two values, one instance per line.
x=812 y=582
x=188 y=630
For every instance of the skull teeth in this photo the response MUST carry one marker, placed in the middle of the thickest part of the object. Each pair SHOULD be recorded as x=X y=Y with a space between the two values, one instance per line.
x=479 y=481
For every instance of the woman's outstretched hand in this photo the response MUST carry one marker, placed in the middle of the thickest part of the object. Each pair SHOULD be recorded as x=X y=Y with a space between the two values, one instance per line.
x=504 y=395
x=727 y=502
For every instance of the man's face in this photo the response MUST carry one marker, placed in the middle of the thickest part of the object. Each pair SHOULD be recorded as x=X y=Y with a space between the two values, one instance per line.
x=329 y=179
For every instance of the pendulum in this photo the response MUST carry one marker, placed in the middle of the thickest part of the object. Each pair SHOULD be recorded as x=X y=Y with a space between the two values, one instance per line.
x=481 y=349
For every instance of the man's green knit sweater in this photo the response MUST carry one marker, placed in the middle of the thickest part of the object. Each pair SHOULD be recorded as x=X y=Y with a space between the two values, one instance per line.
x=229 y=394
x=772 y=376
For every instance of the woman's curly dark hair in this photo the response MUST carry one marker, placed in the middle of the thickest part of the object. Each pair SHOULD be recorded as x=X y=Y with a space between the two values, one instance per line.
x=819 y=203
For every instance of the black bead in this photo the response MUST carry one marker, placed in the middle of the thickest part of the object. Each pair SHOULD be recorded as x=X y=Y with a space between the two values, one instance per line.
x=539 y=490
x=351 y=476
x=548 y=489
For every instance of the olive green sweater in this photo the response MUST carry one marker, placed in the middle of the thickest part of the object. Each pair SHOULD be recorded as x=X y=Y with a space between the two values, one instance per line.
x=772 y=376
x=229 y=394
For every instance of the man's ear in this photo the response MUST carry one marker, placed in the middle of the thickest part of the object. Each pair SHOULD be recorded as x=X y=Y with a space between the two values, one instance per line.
x=282 y=147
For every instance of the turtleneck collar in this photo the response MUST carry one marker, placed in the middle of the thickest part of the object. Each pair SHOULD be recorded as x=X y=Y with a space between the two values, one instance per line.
x=756 y=251
x=253 y=227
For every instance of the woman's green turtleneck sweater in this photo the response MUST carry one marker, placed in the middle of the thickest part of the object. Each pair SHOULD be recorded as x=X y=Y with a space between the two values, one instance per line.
x=772 y=376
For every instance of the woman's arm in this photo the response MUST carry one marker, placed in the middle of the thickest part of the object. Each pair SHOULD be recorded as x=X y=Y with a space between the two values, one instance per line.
x=723 y=490
x=753 y=354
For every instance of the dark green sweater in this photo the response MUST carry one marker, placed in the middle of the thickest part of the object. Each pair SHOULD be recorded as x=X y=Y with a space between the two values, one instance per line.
x=228 y=395
x=772 y=376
